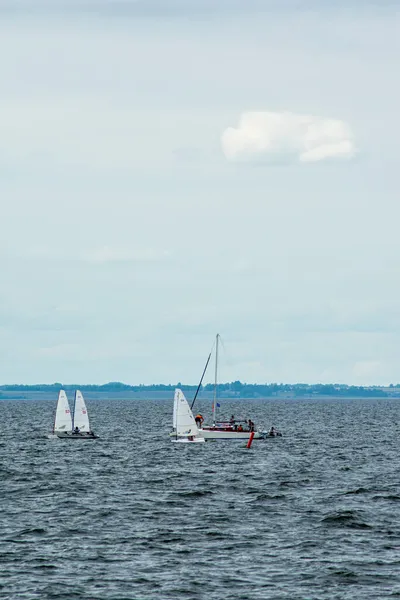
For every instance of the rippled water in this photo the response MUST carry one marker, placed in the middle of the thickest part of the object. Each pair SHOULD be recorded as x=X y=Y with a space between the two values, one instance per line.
x=312 y=515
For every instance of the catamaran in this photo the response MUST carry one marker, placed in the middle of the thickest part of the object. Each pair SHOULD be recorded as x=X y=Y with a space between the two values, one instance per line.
x=185 y=428
x=221 y=430
x=74 y=425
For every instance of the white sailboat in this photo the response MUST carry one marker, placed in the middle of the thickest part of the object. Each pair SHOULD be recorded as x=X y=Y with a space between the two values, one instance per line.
x=63 y=420
x=184 y=424
x=220 y=430
x=72 y=425
x=81 y=417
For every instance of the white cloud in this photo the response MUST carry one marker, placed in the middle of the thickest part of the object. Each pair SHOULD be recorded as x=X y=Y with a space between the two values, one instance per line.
x=287 y=136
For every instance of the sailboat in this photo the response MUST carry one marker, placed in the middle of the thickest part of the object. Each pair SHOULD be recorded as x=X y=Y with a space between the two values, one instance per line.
x=224 y=430
x=185 y=428
x=63 y=421
x=73 y=425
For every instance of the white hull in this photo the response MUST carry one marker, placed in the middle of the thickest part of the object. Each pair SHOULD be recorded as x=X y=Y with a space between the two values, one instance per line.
x=214 y=434
x=210 y=434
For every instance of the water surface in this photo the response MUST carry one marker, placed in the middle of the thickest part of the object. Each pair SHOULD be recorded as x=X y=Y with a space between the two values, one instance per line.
x=132 y=516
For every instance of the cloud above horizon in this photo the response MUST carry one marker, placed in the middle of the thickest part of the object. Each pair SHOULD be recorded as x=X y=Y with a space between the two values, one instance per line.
x=286 y=136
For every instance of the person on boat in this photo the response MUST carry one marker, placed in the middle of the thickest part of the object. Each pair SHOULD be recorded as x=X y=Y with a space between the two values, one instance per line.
x=240 y=428
x=199 y=420
x=232 y=420
x=274 y=432
x=251 y=425
x=76 y=430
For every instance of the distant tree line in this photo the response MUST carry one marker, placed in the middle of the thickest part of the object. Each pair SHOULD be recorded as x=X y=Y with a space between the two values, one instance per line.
x=235 y=389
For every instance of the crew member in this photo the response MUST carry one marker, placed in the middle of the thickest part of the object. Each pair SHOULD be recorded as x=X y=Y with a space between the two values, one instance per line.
x=199 y=420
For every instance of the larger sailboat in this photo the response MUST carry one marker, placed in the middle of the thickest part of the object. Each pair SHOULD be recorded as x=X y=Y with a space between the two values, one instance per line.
x=73 y=425
x=220 y=429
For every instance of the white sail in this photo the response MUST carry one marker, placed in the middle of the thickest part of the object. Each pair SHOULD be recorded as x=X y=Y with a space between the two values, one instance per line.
x=63 y=420
x=81 y=417
x=185 y=424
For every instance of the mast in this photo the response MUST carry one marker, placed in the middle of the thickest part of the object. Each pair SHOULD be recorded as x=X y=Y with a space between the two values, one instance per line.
x=216 y=378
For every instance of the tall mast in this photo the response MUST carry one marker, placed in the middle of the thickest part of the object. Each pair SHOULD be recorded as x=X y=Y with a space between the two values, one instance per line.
x=216 y=378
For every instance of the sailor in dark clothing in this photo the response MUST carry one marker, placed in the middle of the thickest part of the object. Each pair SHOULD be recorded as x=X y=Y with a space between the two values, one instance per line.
x=76 y=430
x=274 y=432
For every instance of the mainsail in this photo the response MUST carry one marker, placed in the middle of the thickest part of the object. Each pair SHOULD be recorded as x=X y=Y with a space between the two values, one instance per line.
x=185 y=424
x=63 y=420
x=81 y=417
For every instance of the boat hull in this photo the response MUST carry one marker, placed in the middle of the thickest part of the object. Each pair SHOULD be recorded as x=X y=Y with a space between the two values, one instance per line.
x=215 y=434
x=195 y=440
x=75 y=436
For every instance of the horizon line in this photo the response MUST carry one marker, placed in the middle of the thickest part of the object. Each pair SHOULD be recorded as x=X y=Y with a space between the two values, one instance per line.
x=180 y=384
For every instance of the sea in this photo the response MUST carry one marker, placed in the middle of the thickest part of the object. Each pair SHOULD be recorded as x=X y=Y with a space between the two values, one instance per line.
x=312 y=515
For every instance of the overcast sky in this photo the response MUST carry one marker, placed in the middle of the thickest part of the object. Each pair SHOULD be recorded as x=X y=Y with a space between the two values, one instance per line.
x=172 y=169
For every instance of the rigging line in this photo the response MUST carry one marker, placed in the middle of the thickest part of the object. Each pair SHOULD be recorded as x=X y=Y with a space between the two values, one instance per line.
x=201 y=381
x=230 y=360
x=228 y=355
x=202 y=377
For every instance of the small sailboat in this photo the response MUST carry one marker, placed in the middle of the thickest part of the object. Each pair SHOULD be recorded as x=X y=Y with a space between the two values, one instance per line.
x=185 y=428
x=72 y=425
x=63 y=421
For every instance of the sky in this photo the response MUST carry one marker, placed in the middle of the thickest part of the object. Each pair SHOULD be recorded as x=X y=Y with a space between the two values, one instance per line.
x=174 y=169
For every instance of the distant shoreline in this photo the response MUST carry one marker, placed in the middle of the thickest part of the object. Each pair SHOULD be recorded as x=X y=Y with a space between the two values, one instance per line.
x=133 y=398
x=226 y=391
